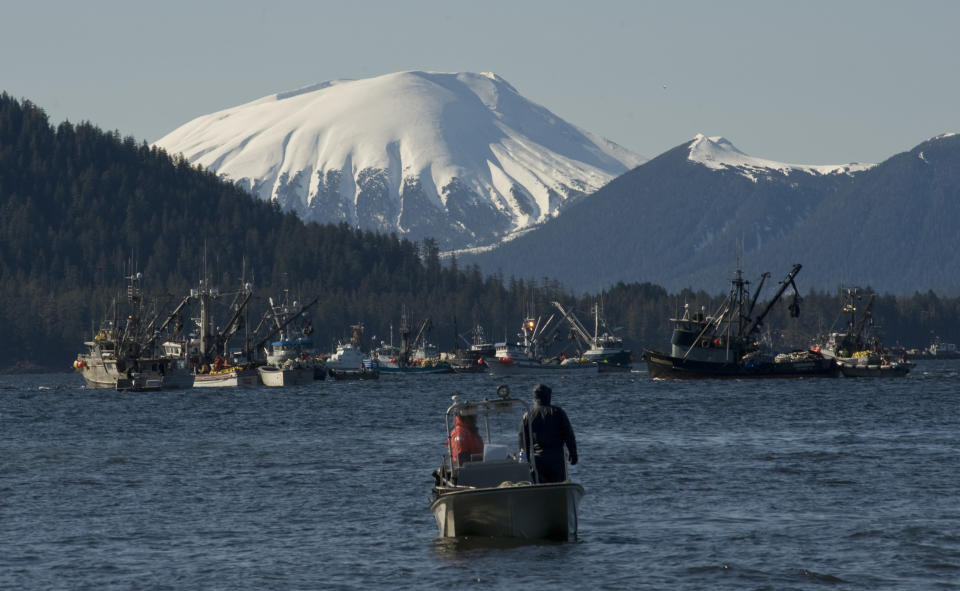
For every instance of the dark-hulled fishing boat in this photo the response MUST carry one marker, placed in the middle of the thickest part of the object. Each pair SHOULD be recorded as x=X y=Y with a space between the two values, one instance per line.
x=727 y=344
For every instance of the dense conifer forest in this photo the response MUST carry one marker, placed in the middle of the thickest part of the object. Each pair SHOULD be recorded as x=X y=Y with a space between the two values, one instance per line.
x=81 y=208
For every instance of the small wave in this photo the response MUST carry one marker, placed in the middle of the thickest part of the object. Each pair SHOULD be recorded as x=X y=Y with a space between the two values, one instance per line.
x=826 y=578
x=941 y=566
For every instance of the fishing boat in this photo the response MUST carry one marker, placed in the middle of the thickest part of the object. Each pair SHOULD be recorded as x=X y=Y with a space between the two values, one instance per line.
x=348 y=362
x=217 y=365
x=497 y=493
x=511 y=359
x=416 y=356
x=601 y=346
x=526 y=357
x=727 y=344
x=471 y=359
x=858 y=350
x=290 y=360
x=124 y=354
x=941 y=350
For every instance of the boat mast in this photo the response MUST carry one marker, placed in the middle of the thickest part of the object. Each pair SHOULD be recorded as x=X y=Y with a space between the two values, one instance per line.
x=783 y=287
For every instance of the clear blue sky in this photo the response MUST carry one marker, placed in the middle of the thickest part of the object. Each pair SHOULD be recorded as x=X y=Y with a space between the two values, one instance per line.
x=804 y=82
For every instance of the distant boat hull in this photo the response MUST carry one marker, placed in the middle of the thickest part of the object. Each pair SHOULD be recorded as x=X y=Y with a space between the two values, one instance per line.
x=507 y=367
x=354 y=374
x=244 y=377
x=891 y=370
x=610 y=360
x=431 y=369
x=140 y=383
x=285 y=376
x=154 y=374
x=663 y=366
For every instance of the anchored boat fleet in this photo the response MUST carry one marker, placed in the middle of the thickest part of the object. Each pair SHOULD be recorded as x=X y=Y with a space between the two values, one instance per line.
x=139 y=349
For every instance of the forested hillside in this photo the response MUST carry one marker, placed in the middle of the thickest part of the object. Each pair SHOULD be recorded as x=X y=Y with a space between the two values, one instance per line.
x=80 y=208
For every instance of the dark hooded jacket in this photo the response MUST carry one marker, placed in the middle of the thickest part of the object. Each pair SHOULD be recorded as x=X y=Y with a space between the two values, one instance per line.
x=551 y=430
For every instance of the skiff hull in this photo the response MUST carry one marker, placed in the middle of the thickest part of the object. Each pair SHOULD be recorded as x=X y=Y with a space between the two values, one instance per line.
x=529 y=511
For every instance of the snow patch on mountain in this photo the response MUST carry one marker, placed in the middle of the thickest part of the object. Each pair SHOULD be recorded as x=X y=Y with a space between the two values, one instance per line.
x=718 y=153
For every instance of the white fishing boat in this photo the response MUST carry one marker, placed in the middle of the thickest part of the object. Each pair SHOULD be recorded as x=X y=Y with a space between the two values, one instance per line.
x=497 y=493
x=858 y=352
x=290 y=360
x=510 y=359
x=124 y=354
x=217 y=365
x=348 y=362
x=527 y=355
x=602 y=346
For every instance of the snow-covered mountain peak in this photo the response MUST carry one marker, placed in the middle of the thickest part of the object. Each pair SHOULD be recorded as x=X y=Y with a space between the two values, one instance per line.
x=719 y=153
x=460 y=157
x=714 y=149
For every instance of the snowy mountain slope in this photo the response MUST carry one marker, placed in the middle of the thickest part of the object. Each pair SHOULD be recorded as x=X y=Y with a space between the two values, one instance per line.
x=462 y=158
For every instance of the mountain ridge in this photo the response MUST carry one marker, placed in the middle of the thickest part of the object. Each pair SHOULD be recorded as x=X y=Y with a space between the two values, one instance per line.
x=676 y=222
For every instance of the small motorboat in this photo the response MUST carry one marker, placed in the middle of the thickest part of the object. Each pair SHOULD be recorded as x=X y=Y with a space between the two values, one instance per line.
x=497 y=493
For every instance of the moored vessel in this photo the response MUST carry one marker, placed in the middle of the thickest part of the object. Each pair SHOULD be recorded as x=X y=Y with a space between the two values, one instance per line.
x=471 y=359
x=217 y=366
x=349 y=362
x=416 y=356
x=602 y=346
x=526 y=356
x=510 y=359
x=124 y=353
x=290 y=360
x=858 y=351
x=727 y=344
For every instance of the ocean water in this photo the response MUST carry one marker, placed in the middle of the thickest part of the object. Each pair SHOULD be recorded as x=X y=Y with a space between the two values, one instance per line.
x=770 y=484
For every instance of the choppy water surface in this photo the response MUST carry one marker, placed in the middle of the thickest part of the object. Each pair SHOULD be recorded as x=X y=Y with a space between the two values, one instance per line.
x=794 y=484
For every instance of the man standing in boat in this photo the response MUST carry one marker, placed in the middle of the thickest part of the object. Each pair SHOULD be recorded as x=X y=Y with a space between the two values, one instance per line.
x=550 y=429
